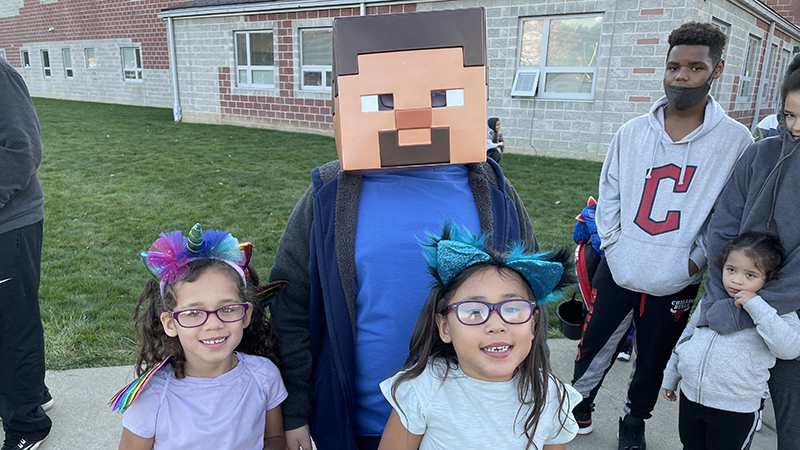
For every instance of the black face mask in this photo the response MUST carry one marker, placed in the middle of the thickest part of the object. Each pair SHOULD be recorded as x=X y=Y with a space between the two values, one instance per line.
x=683 y=98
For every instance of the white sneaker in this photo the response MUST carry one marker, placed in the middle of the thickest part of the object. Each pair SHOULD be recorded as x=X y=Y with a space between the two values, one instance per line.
x=624 y=356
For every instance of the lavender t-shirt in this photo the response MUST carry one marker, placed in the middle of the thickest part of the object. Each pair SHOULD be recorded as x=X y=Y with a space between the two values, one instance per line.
x=228 y=411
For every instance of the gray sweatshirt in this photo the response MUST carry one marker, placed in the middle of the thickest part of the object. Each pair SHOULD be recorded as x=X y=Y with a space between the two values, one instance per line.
x=730 y=371
x=656 y=196
x=21 y=198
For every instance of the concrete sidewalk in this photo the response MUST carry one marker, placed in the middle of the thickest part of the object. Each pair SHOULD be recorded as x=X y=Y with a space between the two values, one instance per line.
x=83 y=421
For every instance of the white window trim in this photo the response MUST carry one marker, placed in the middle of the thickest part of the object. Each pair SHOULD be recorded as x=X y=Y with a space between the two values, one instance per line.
x=764 y=90
x=47 y=72
x=544 y=70
x=86 y=58
x=313 y=68
x=725 y=28
x=786 y=56
x=750 y=79
x=250 y=68
x=22 y=54
x=69 y=72
x=138 y=71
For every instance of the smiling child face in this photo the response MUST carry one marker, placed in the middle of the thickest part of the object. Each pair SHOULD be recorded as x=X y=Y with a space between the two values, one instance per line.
x=493 y=350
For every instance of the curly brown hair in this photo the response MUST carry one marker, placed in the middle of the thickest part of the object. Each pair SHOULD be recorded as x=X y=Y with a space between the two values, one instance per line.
x=259 y=337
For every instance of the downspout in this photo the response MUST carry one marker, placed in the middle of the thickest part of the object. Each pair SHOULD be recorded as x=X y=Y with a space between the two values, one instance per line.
x=363 y=9
x=763 y=79
x=173 y=68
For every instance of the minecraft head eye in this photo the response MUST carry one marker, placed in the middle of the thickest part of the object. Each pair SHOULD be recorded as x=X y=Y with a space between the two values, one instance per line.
x=373 y=103
x=448 y=97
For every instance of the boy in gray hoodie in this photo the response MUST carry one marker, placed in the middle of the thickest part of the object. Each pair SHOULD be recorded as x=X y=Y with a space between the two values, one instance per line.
x=659 y=182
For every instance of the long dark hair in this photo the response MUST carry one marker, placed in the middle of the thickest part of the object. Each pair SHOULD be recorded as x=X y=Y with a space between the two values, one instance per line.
x=259 y=338
x=765 y=251
x=534 y=371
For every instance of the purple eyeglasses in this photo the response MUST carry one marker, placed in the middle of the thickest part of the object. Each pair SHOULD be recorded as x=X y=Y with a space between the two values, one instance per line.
x=472 y=312
x=193 y=318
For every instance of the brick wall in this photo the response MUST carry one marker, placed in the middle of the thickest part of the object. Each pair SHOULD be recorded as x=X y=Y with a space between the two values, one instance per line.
x=104 y=25
x=790 y=9
x=206 y=66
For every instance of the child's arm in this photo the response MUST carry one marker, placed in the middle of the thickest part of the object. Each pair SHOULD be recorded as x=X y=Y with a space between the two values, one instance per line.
x=780 y=333
x=274 y=438
x=555 y=447
x=130 y=441
x=396 y=437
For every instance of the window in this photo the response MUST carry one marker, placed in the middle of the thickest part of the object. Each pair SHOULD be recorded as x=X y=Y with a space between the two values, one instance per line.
x=46 y=63
x=770 y=69
x=725 y=28
x=67 y=63
x=132 y=64
x=91 y=63
x=558 y=57
x=785 y=58
x=746 y=85
x=3 y=54
x=26 y=59
x=316 y=59
x=255 y=59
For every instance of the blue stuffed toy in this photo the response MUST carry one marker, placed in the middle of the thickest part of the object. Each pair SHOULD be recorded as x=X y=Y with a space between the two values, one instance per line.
x=586 y=228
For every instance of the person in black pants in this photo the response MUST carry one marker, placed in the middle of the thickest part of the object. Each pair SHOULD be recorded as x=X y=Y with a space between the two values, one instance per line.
x=659 y=182
x=22 y=369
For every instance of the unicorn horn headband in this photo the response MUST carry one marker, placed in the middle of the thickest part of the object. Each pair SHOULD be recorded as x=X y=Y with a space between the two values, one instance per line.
x=458 y=248
x=169 y=257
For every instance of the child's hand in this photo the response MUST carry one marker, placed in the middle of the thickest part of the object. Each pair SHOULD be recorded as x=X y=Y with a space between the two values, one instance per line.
x=669 y=395
x=743 y=297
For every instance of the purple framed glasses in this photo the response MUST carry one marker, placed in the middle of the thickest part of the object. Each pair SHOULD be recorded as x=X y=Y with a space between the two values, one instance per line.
x=472 y=312
x=192 y=318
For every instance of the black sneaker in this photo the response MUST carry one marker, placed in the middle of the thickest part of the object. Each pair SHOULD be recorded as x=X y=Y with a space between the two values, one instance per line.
x=18 y=443
x=583 y=415
x=631 y=434
x=47 y=400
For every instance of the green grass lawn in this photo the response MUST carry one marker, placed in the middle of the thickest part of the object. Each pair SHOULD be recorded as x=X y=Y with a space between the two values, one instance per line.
x=115 y=176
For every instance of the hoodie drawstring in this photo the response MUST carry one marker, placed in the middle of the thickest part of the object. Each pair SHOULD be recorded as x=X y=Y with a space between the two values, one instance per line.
x=685 y=160
x=653 y=161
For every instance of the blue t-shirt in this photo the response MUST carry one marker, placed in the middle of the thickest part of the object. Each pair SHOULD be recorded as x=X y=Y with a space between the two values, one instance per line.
x=392 y=280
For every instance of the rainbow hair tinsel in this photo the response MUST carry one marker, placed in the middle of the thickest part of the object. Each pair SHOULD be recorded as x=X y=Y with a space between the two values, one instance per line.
x=128 y=394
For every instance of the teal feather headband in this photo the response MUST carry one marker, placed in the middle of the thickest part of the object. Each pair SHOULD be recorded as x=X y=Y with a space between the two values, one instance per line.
x=457 y=248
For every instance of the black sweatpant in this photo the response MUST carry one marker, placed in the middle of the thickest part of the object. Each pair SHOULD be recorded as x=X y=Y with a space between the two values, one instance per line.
x=659 y=322
x=784 y=387
x=704 y=428
x=21 y=334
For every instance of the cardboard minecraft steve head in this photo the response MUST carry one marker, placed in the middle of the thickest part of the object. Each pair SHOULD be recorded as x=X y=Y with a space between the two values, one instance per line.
x=410 y=90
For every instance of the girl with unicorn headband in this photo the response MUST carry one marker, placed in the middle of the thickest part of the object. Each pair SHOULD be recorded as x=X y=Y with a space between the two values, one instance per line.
x=206 y=353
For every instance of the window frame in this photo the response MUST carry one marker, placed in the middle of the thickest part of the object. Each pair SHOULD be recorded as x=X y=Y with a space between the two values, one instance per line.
x=544 y=70
x=764 y=91
x=138 y=71
x=47 y=71
x=725 y=28
x=3 y=53
x=66 y=55
x=323 y=70
x=745 y=78
x=786 y=56
x=250 y=67
x=86 y=56
x=25 y=56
